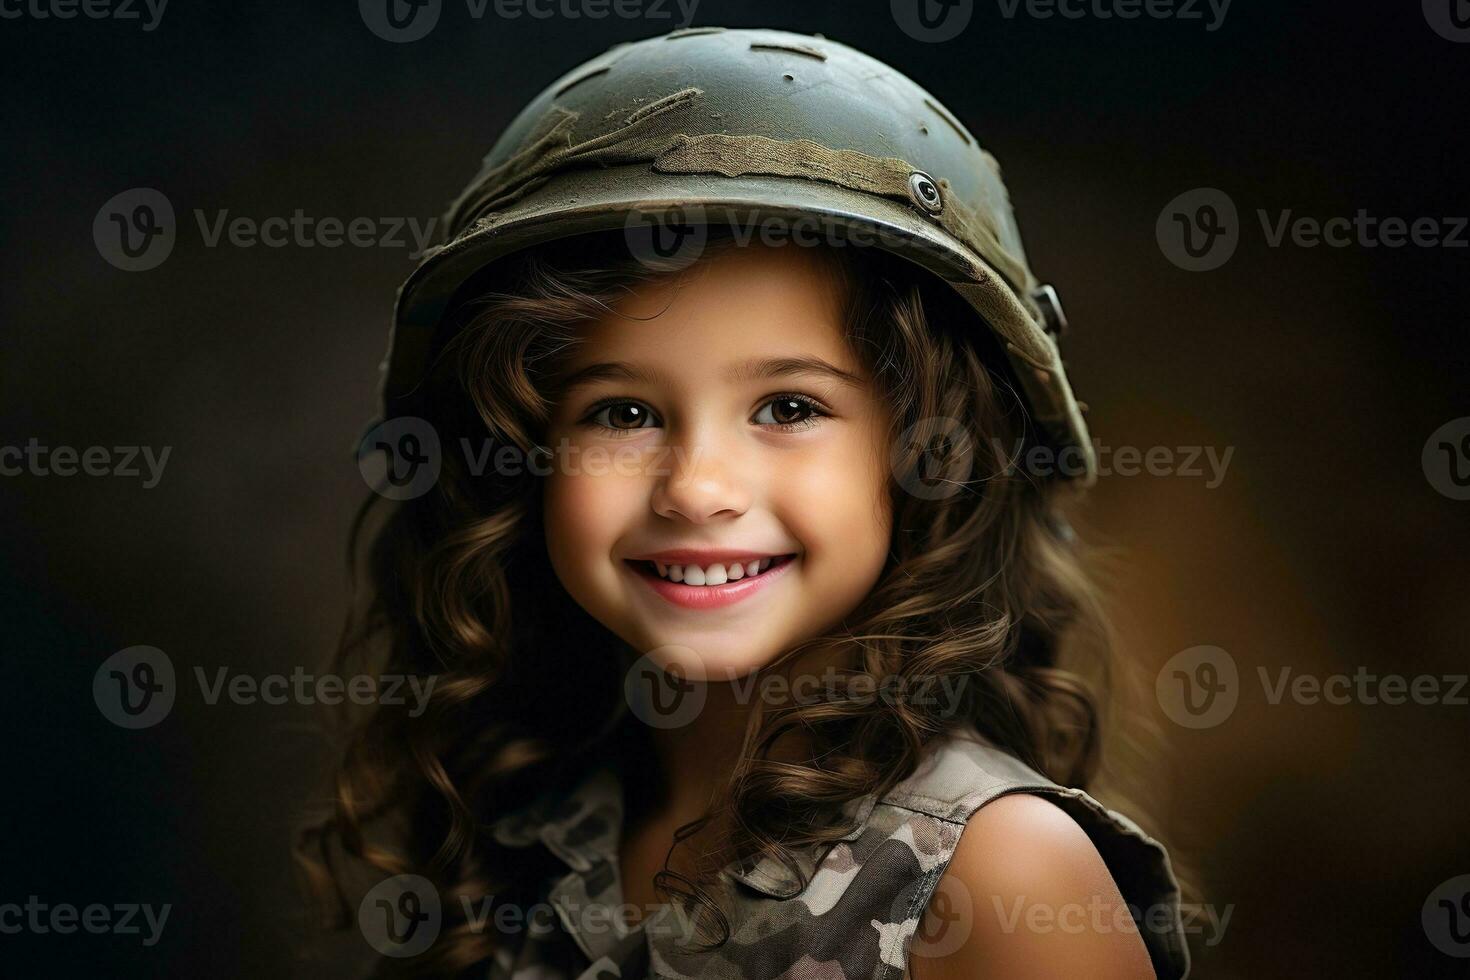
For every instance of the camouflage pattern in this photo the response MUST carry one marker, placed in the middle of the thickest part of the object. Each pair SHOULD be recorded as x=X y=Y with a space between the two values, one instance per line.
x=863 y=902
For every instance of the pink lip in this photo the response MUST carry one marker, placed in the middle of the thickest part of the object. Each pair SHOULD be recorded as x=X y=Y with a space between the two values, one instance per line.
x=712 y=596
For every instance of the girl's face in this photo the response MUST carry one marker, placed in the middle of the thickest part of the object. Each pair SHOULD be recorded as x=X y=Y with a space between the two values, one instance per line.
x=728 y=436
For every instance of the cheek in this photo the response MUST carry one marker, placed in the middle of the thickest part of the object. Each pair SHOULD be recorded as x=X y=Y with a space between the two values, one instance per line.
x=838 y=506
x=585 y=515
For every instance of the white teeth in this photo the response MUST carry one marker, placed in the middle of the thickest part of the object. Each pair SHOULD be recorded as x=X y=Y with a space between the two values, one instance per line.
x=713 y=574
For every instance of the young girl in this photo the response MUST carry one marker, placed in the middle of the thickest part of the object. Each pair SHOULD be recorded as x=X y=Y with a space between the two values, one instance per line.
x=757 y=633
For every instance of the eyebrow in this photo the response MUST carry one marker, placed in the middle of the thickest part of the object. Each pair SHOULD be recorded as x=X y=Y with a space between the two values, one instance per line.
x=752 y=370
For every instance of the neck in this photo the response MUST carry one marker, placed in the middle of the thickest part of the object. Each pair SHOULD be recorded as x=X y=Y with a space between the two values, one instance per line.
x=694 y=761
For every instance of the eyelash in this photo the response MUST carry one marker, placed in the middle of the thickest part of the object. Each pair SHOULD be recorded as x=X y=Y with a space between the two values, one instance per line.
x=815 y=407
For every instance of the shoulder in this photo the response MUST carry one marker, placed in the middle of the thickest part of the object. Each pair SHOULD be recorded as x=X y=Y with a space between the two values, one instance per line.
x=1026 y=894
x=1023 y=866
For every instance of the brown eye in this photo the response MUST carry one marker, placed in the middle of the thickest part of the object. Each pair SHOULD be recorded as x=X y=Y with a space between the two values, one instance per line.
x=622 y=415
x=787 y=410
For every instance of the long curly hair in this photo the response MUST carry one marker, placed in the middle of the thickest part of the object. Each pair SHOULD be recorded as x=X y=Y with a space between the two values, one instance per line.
x=984 y=582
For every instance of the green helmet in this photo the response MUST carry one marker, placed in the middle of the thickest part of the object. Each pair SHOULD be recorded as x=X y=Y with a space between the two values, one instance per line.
x=707 y=121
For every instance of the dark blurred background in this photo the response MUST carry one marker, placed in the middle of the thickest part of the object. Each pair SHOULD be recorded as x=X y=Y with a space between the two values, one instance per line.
x=1326 y=548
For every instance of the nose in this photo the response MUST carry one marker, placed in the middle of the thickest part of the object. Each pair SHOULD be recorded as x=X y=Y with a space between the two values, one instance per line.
x=701 y=484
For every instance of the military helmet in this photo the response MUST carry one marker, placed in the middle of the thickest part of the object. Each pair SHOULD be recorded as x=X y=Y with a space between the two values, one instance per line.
x=706 y=121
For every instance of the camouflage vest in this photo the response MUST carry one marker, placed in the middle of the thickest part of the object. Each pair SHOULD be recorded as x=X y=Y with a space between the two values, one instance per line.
x=864 y=897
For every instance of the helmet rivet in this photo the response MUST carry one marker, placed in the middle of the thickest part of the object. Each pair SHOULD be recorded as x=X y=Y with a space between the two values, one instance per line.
x=925 y=192
x=1050 y=304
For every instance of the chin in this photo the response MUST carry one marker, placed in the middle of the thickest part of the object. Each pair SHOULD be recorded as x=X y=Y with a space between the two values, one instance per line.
x=713 y=659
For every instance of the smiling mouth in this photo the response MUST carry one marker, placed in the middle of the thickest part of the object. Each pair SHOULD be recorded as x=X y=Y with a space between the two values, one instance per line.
x=719 y=573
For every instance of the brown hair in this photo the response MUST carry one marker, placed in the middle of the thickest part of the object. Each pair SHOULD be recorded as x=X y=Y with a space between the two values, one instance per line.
x=984 y=581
